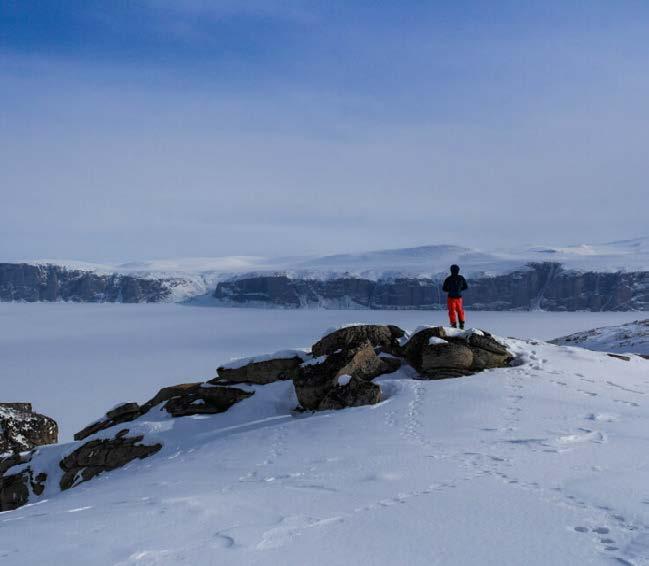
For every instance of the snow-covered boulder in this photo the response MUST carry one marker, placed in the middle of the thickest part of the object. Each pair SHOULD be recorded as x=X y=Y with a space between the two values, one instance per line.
x=385 y=337
x=319 y=376
x=438 y=353
x=22 y=429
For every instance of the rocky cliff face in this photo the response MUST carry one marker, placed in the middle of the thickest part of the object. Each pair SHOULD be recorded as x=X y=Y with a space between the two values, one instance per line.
x=540 y=285
x=27 y=282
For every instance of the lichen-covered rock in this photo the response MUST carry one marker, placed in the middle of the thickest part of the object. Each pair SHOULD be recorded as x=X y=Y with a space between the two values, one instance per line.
x=261 y=372
x=385 y=337
x=488 y=353
x=319 y=376
x=442 y=360
x=102 y=455
x=355 y=393
x=413 y=348
x=21 y=429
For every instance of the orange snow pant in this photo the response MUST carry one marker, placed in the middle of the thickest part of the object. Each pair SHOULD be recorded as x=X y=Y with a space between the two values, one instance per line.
x=455 y=309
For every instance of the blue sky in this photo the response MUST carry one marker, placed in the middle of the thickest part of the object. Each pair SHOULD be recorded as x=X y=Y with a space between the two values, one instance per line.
x=155 y=128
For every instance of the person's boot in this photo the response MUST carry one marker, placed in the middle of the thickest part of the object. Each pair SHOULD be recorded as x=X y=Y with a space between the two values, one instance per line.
x=462 y=325
x=454 y=324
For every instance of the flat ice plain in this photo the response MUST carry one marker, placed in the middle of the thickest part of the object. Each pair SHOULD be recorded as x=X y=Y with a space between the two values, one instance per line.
x=75 y=361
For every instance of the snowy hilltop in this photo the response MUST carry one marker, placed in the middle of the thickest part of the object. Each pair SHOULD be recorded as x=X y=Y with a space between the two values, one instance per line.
x=534 y=455
x=632 y=337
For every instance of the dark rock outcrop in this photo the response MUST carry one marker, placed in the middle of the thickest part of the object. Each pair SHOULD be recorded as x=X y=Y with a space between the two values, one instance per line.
x=31 y=283
x=15 y=488
x=122 y=413
x=102 y=455
x=355 y=393
x=261 y=372
x=22 y=429
x=180 y=400
x=205 y=400
x=196 y=398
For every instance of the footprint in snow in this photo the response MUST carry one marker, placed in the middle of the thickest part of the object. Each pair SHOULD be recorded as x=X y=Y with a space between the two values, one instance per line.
x=581 y=529
x=222 y=541
x=584 y=435
x=605 y=417
x=613 y=384
x=628 y=403
x=589 y=393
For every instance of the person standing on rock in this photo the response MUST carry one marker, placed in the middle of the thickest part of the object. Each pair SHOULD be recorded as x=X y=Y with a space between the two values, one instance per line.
x=454 y=285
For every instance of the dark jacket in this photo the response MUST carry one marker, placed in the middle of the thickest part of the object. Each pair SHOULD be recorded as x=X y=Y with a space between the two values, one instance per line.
x=454 y=285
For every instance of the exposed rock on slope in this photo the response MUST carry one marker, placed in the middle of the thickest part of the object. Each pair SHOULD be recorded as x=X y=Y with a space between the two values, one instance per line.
x=179 y=400
x=108 y=452
x=103 y=455
x=341 y=376
x=262 y=370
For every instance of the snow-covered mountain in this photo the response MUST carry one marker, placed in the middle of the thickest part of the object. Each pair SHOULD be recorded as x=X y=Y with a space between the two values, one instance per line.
x=540 y=463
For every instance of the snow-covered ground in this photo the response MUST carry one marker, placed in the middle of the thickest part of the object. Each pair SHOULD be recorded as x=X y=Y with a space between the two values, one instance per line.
x=541 y=463
x=632 y=337
x=74 y=361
